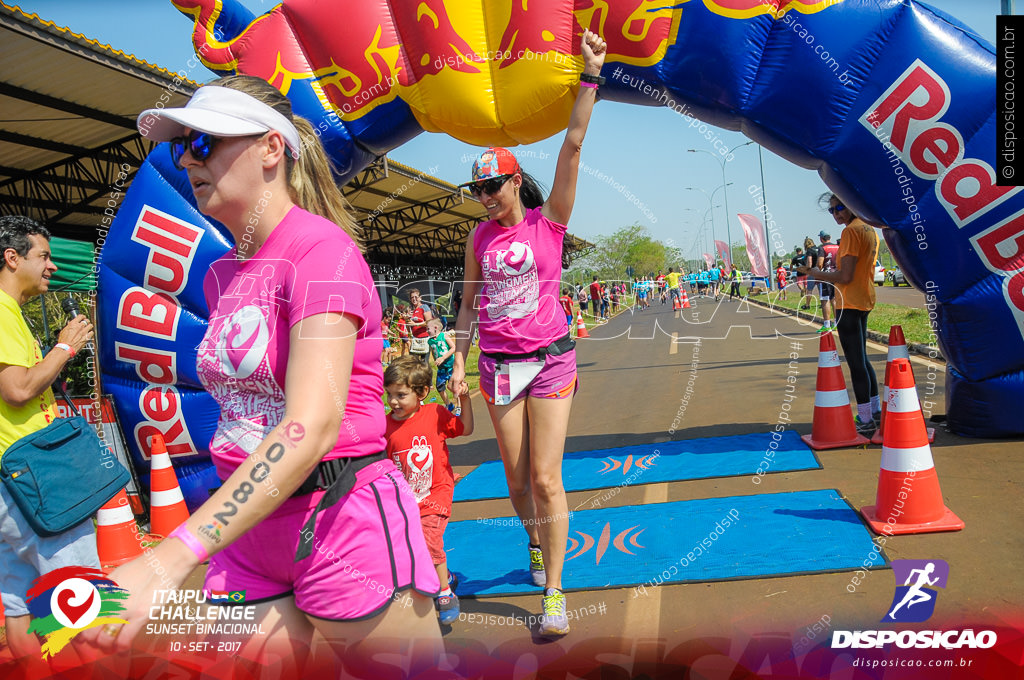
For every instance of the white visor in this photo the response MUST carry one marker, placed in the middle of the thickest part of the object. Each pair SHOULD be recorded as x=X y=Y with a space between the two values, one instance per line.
x=219 y=111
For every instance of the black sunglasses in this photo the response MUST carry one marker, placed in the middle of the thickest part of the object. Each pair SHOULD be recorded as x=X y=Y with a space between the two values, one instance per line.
x=489 y=186
x=199 y=144
x=838 y=207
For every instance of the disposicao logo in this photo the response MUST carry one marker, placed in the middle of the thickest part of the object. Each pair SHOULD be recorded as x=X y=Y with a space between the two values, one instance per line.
x=69 y=600
x=913 y=602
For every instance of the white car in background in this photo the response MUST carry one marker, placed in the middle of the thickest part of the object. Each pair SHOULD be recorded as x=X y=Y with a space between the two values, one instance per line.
x=879 y=273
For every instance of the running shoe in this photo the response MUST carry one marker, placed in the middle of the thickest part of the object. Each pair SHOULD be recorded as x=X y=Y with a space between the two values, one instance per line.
x=540 y=578
x=825 y=329
x=865 y=428
x=448 y=608
x=554 y=622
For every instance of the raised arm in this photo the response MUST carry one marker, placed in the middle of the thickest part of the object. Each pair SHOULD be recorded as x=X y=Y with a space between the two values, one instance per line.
x=558 y=207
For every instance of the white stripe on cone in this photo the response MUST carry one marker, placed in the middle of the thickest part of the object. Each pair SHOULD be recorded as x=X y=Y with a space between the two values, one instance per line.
x=166 y=498
x=902 y=400
x=108 y=517
x=831 y=398
x=828 y=359
x=160 y=461
x=898 y=352
x=915 y=459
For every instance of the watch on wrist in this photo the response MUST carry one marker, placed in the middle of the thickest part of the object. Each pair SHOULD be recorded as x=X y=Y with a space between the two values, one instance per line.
x=587 y=78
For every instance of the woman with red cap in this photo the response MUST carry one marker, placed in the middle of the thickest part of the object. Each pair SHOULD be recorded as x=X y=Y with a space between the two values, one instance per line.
x=527 y=361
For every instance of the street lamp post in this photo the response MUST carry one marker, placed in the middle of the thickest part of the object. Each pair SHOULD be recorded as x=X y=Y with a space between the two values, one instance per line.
x=721 y=162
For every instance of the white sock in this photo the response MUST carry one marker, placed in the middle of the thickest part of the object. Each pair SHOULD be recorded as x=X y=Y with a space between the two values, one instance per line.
x=876 y=404
x=864 y=411
x=447 y=592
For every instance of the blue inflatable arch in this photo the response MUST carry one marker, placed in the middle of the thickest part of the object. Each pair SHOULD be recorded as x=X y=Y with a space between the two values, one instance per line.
x=893 y=103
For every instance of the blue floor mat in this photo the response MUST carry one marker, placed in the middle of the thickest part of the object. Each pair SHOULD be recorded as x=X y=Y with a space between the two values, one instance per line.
x=651 y=463
x=715 y=539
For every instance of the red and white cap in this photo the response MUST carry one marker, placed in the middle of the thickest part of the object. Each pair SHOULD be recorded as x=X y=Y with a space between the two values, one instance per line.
x=219 y=111
x=494 y=161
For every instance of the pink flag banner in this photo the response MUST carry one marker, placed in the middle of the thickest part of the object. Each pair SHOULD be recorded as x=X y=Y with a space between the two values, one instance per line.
x=753 y=230
x=724 y=254
x=709 y=259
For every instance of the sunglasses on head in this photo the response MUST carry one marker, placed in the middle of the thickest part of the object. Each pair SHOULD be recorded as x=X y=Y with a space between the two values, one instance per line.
x=489 y=186
x=838 y=207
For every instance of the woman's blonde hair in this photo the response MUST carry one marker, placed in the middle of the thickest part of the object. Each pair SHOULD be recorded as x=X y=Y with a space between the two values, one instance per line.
x=808 y=243
x=311 y=184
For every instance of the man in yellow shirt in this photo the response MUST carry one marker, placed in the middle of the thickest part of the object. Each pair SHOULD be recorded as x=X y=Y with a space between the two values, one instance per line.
x=26 y=406
x=673 y=284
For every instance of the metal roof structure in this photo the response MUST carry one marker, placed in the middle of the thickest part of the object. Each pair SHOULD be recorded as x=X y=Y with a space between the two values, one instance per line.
x=67 y=132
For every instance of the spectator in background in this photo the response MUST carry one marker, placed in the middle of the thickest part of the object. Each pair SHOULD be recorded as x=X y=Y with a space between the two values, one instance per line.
x=799 y=260
x=828 y=256
x=780 y=275
x=416 y=320
x=595 y=298
x=566 y=302
x=457 y=302
x=27 y=406
x=810 y=260
x=734 y=278
x=855 y=298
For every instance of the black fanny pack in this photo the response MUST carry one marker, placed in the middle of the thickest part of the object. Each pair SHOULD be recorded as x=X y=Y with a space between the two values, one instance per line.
x=337 y=477
x=561 y=346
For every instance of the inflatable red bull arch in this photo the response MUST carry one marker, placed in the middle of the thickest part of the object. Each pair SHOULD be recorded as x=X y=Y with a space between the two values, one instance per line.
x=903 y=129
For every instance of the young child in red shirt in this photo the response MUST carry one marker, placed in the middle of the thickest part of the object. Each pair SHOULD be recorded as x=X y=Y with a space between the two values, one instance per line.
x=416 y=435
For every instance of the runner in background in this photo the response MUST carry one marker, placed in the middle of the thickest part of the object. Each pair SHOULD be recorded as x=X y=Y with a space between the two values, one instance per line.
x=566 y=302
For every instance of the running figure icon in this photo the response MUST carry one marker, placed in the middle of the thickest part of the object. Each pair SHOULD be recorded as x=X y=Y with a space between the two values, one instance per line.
x=916 y=595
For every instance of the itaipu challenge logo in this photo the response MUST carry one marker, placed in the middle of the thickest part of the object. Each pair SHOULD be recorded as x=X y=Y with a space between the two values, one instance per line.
x=69 y=600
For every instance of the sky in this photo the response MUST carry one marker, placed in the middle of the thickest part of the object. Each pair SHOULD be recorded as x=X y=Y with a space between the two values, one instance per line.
x=668 y=185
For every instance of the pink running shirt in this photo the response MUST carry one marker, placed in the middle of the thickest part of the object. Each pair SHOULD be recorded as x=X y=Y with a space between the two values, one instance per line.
x=307 y=266
x=522 y=271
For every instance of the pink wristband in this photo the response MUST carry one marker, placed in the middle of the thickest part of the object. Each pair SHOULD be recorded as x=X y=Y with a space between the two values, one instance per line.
x=193 y=544
x=584 y=83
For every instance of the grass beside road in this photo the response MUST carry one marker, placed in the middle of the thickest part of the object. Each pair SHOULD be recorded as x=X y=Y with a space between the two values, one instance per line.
x=916 y=328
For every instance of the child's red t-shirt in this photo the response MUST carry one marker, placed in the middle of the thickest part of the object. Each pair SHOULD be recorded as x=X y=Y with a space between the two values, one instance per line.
x=417 y=446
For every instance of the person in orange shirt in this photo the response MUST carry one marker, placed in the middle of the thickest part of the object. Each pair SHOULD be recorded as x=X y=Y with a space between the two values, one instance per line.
x=855 y=298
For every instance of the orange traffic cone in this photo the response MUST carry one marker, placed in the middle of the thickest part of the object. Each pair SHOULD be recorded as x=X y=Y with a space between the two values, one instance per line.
x=167 y=505
x=833 y=426
x=117 y=535
x=686 y=301
x=907 y=470
x=676 y=306
x=897 y=350
x=581 y=328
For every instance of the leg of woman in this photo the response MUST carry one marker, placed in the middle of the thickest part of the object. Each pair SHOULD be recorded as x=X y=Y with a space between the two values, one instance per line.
x=852 y=327
x=407 y=628
x=872 y=377
x=512 y=431
x=549 y=423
